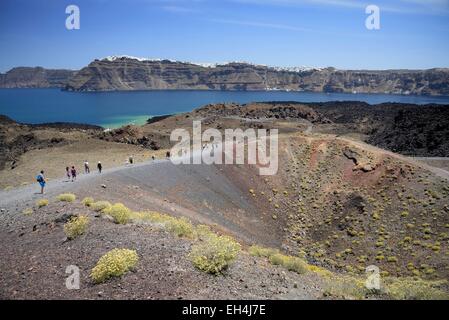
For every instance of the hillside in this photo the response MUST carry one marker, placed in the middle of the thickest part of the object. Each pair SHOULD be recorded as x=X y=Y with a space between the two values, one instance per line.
x=126 y=73
x=38 y=77
x=406 y=129
x=129 y=73
x=336 y=205
x=414 y=130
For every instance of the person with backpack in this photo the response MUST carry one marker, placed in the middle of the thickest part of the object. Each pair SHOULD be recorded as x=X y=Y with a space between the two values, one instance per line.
x=99 y=166
x=73 y=172
x=41 y=179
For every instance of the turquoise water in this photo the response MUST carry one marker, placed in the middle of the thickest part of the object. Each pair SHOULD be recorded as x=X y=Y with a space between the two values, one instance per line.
x=112 y=109
x=118 y=121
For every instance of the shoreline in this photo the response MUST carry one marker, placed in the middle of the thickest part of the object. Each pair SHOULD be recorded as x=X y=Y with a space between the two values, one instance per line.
x=137 y=120
x=349 y=93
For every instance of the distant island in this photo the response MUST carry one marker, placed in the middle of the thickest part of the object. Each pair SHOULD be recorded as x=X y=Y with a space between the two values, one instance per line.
x=125 y=73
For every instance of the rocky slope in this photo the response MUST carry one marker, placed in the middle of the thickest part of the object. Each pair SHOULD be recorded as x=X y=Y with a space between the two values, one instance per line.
x=322 y=206
x=339 y=204
x=38 y=77
x=127 y=73
x=407 y=129
x=17 y=139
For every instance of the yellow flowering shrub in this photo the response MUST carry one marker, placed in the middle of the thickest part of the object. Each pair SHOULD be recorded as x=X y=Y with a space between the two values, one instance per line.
x=42 y=203
x=320 y=271
x=346 y=287
x=119 y=212
x=76 y=226
x=415 y=289
x=203 y=232
x=258 y=251
x=214 y=254
x=114 y=264
x=67 y=197
x=100 y=206
x=289 y=262
x=178 y=226
x=349 y=287
x=88 y=201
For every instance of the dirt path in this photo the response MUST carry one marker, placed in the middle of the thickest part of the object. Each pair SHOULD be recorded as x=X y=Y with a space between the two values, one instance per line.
x=202 y=193
x=54 y=187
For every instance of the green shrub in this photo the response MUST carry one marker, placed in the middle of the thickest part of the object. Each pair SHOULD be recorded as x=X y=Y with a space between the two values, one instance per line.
x=203 y=232
x=42 y=203
x=215 y=254
x=67 y=197
x=415 y=289
x=119 y=212
x=290 y=263
x=320 y=271
x=262 y=252
x=76 y=226
x=178 y=226
x=114 y=264
x=88 y=201
x=346 y=287
x=100 y=206
x=150 y=216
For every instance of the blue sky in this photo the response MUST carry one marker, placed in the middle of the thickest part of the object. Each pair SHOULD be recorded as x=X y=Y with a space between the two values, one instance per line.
x=414 y=33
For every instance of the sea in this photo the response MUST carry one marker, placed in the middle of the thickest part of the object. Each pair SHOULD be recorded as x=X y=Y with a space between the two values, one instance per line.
x=114 y=109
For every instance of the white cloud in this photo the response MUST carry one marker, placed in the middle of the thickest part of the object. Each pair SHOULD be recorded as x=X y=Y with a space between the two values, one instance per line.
x=260 y=24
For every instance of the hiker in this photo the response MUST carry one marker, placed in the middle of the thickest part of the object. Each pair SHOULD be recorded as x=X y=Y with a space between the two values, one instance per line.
x=131 y=160
x=86 y=167
x=99 y=166
x=167 y=155
x=41 y=179
x=67 y=172
x=152 y=158
x=73 y=172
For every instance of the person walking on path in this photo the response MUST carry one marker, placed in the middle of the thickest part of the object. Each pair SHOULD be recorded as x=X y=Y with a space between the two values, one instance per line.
x=41 y=179
x=99 y=166
x=73 y=172
x=86 y=167
x=67 y=172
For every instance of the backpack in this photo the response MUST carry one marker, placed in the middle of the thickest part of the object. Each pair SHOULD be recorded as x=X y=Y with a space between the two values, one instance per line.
x=39 y=178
